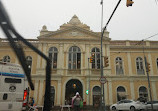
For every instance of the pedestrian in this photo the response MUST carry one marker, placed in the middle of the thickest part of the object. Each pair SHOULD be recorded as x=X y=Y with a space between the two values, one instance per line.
x=32 y=101
x=76 y=102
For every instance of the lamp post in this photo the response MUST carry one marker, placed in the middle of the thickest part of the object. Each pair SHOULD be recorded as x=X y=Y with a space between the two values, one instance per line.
x=102 y=106
x=102 y=33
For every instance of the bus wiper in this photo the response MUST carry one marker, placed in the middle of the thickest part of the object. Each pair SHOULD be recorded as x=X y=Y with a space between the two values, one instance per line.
x=13 y=37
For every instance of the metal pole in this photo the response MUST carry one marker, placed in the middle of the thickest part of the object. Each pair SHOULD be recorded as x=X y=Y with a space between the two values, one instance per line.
x=147 y=72
x=102 y=106
x=89 y=82
x=102 y=33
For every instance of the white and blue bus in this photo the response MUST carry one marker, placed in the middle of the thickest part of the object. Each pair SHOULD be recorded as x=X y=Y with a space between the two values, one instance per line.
x=12 y=86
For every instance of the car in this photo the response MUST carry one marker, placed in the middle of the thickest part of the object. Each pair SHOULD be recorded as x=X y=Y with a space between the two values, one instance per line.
x=129 y=105
x=155 y=105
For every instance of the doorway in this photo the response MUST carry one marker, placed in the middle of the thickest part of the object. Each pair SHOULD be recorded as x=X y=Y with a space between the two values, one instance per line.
x=96 y=96
x=73 y=86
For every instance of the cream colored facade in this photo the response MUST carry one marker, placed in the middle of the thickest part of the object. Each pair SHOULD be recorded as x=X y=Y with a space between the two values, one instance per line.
x=75 y=33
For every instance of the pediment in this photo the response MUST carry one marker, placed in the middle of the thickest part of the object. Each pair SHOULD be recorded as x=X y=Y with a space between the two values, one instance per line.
x=72 y=33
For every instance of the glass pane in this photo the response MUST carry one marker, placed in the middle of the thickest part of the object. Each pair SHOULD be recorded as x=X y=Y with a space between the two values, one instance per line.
x=78 y=60
x=50 y=56
x=74 y=49
x=74 y=61
x=70 y=61
x=93 y=50
x=120 y=89
x=12 y=80
x=97 y=50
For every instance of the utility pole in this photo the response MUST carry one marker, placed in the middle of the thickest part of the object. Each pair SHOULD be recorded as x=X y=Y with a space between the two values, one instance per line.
x=102 y=106
x=89 y=81
x=147 y=73
x=102 y=99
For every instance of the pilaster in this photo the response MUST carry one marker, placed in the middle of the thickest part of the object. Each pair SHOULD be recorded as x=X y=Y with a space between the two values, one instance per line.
x=150 y=61
x=106 y=94
x=36 y=91
x=59 y=93
x=129 y=63
x=132 y=89
x=154 y=94
x=110 y=92
x=40 y=102
x=39 y=57
x=43 y=60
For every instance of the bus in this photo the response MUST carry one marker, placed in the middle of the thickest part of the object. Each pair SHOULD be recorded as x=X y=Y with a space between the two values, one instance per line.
x=12 y=87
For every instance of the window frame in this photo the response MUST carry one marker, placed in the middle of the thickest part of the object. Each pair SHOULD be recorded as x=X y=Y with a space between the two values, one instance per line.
x=74 y=58
x=119 y=66
x=95 y=52
x=53 y=55
x=139 y=66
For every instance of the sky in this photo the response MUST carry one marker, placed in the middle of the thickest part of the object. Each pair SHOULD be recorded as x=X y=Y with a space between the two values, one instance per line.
x=128 y=23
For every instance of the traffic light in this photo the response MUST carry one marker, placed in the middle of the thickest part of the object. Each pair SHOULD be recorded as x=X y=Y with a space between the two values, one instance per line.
x=106 y=61
x=129 y=3
x=91 y=59
x=148 y=67
x=87 y=91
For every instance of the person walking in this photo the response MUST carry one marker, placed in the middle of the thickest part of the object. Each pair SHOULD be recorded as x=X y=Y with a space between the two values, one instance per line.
x=76 y=102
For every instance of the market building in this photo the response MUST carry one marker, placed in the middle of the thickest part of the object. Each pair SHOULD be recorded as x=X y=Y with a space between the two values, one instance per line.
x=70 y=48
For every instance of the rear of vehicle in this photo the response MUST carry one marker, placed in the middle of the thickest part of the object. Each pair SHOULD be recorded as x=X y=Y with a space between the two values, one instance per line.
x=11 y=87
x=128 y=105
x=25 y=99
x=155 y=105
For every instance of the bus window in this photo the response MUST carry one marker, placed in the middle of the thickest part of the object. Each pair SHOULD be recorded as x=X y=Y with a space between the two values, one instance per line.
x=12 y=80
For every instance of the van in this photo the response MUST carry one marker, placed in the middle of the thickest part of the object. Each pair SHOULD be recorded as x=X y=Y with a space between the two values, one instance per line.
x=12 y=86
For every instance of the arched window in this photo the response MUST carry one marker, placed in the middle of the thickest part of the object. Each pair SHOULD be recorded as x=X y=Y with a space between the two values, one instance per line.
x=96 y=58
x=6 y=59
x=139 y=65
x=119 y=65
x=29 y=63
x=143 y=94
x=121 y=93
x=74 y=58
x=53 y=52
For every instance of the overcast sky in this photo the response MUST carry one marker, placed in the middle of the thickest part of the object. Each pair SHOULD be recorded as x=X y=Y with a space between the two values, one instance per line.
x=128 y=23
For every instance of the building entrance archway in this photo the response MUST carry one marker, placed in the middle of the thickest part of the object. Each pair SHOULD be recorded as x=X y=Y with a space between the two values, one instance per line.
x=96 y=96
x=73 y=86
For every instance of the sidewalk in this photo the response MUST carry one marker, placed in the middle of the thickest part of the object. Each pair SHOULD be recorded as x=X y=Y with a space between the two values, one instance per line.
x=85 y=108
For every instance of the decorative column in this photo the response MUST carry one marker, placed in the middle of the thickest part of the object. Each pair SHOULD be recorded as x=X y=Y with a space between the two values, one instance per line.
x=44 y=51
x=106 y=94
x=36 y=90
x=150 y=61
x=132 y=89
x=40 y=102
x=59 y=93
x=110 y=92
x=87 y=55
x=154 y=94
x=129 y=63
x=39 y=57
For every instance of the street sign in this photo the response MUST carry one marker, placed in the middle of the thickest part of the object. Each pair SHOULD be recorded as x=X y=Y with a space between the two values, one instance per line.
x=103 y=80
